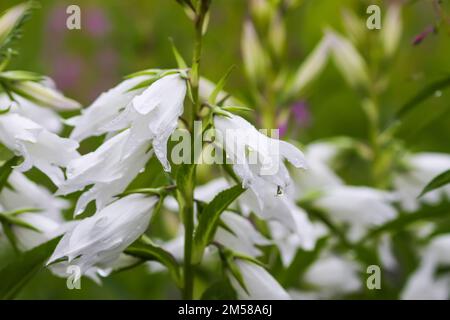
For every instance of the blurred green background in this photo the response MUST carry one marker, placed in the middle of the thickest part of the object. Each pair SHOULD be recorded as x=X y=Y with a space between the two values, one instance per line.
x=121 y=37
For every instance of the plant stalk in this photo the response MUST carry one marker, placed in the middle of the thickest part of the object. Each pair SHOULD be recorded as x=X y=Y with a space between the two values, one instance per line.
x=201 y=12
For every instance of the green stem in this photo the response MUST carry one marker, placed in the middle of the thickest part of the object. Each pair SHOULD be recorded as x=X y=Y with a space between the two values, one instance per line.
x=188 y=212
x=188 y=241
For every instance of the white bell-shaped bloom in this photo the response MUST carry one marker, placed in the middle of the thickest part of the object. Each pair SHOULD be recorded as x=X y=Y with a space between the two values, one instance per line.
x=24 y=193
x=110 y=169
x=386 y=253
x=46 y=117
x=333 y=275
x=47 y=227
x=11 y=17
x=304 y=237
x=241 y=235
x=348 y=60
x=257 y=159
x=359 y=207
x=319 y=175
x=153 y=116
x=99 y=240
x=39 y=147
x=259 y=284
x=421 y=169
x=104 y=109
x=424 y=285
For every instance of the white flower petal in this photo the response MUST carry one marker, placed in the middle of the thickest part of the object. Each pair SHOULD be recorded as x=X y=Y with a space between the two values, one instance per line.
x=99 y=240
x=259 y=283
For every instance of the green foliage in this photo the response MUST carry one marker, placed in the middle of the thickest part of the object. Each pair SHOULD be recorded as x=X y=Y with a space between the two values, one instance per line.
x=422 y=95
x=150 y=252
x=23 y=268
x=6 y=169
x=15 y=31
x=209 y=219
x=439 y=181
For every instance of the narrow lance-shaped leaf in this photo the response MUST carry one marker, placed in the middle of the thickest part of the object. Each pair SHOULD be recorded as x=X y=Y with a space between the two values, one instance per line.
x=19 y=75
x=219 y=87
x=150 y=252
x=178 y=57
x=6 y=169
x=12 y=220
x=210 y=217
x=423 y=95
x=20 y=271
x=439 y=181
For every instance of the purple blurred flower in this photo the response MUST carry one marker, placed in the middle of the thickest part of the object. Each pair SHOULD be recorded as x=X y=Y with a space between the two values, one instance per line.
x=67 y=71
x=57 y=21
x=282 y=127
x=301 y=113
x=97 y=24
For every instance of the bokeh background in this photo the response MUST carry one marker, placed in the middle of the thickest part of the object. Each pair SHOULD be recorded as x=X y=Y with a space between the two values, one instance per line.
x=120 y=37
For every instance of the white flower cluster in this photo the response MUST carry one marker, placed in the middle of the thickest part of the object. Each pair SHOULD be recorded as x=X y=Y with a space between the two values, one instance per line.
x=138 y=124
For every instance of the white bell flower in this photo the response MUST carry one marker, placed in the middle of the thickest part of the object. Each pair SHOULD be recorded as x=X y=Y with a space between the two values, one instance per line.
x=10 y=18
x=25 y=194
x=46 y=117
x=153 y=116
x=319 y=175
x=110 y=169
x=359 y=207
x=257 y=159
x=99 y=240
x=348 y=60
x=39 y=147
x=259 y=284
x=289 y=242
x=243 y=237
x=48 y=229
x=104 y=109
x=421 y=169
x=333 y=275
x=423 y=283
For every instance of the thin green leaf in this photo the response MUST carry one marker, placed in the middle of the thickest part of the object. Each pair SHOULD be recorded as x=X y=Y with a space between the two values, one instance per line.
x=12 y=220
x=423 y=95
x=6 y=169
x=210 y=217
x=144 y=84
x=439 y=181
x=178 y=57
x=150 y=252
x=10 y=235
x=19 y=75
x=147 y=72
x=219 y=87
x=404 y=220
x=20 y=271
x=220 y=290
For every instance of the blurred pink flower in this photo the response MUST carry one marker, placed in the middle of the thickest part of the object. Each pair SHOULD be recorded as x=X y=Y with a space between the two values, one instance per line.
x=67 y=71
x=301 y=113
x=96 y=22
